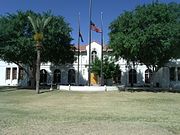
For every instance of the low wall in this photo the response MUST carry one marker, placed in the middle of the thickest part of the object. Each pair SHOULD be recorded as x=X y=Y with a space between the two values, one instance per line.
x=90 y=88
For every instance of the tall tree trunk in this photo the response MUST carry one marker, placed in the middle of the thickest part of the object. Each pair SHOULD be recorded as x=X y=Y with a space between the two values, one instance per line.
x=38 y=71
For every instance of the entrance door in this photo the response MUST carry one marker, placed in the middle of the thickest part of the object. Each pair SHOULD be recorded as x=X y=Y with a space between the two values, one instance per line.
x=94 y=79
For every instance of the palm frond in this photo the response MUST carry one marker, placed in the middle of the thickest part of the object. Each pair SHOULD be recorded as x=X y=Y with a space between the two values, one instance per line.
x=43 y=19
x=33 y=23
x=46 y=21
x=38 y=24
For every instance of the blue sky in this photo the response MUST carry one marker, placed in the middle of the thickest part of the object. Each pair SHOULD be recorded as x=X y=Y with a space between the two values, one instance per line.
x=70 y=9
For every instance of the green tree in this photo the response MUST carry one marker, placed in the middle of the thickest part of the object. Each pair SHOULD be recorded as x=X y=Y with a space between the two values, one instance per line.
x=96 y=67
x=109 y=68
x=149 y=34
x=18 y=46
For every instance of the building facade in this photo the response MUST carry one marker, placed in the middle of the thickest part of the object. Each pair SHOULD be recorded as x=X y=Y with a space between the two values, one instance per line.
x=139 y=75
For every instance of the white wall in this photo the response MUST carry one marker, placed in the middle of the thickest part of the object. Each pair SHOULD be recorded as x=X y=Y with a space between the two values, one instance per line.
x=2 y=74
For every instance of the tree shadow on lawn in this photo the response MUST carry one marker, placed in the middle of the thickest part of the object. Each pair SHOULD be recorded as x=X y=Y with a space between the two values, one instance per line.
x=43 y=89
x=16 y=88
x=8 y=88
x=148 y=89
x=128 y=89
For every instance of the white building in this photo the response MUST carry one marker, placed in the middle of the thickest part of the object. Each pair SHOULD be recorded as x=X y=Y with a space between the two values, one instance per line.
x=169 y=76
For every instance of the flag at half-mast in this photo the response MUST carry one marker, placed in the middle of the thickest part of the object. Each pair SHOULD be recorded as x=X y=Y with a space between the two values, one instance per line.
x=95 y=28
x=80 y=36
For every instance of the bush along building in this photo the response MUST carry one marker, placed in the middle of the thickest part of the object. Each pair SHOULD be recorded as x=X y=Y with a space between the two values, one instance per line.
x=138 y=75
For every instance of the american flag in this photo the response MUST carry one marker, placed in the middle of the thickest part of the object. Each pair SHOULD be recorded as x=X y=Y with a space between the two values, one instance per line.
x=95 y=28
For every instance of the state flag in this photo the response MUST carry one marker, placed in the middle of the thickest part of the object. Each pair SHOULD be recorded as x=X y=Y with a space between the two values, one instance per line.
x=80 y=35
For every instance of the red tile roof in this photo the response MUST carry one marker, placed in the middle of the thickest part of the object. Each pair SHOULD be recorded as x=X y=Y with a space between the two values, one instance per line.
x=83 y=48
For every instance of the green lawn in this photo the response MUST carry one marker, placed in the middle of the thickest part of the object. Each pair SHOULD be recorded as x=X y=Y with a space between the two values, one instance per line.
x=23 y=112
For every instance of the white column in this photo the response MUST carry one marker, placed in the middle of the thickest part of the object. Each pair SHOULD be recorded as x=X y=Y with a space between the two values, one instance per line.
x=17 y=76
x=11 y=75
x=176 y=74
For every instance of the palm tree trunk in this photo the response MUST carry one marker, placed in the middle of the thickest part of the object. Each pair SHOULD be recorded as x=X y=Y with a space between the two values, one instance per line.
x=38 y=71
x=33 y=75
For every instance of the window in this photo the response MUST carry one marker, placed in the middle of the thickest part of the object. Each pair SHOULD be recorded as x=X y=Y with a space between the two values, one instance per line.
x=14 y=75
x=178 y=73
x=119 y=76
x=8 y=72
x=21 y=72
x=84 y=59
x=76 y=59
x=71 y=76
x=94 y=56
x=148 y=75
x=83 y=72
x=132 y=76
x=172 y=74
x=57 y=76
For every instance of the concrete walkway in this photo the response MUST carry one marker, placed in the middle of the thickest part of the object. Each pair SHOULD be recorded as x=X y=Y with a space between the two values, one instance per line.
x=90 y=88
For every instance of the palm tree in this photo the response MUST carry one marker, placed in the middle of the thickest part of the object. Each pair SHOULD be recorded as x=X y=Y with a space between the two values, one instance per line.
x=38 y=27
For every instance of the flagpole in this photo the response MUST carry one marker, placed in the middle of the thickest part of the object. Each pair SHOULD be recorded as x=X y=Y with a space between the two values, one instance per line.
x=90 y=16
x=78 y=47
x=102 y=43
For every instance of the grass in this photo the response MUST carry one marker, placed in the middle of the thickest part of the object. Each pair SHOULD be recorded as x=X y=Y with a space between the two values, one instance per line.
x=23 y=112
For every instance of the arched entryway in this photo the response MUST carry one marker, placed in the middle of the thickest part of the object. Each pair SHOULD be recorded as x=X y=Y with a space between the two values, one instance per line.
x=93 y=55
x=57 y=76
x=71 y=76
x=132 y=76
x=117 y=77
x=148 y=75
x=43 y=76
